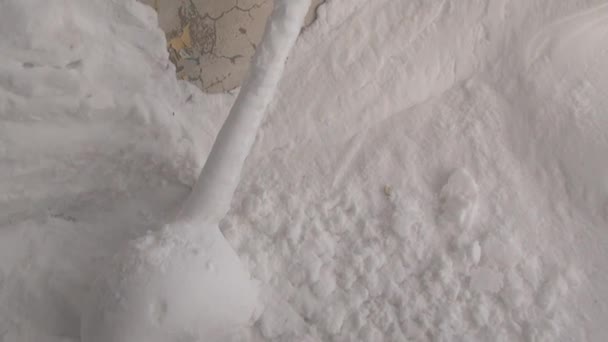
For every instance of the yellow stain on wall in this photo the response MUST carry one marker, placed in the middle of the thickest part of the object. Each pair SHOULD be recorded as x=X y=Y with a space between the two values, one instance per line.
x=182 y=41
x=186 y=37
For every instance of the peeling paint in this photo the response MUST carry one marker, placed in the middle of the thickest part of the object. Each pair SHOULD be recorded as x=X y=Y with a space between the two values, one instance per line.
x=212 y=41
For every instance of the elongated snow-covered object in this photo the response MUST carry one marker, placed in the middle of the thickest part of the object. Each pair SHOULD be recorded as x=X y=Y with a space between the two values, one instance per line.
x=220 y=176
x=184 y=282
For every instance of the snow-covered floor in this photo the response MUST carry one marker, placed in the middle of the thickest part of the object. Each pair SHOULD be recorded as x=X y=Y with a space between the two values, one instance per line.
x=429 y=170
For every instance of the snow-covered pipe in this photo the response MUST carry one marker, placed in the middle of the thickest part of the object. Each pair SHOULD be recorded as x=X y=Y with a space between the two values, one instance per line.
x=212 y=194
x=184 y=282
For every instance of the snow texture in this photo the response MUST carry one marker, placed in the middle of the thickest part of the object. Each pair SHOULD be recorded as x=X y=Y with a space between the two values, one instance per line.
x=185 y=282
x=429 y=171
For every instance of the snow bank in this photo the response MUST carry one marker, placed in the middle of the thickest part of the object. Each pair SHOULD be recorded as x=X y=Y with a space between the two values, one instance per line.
x=88 y=100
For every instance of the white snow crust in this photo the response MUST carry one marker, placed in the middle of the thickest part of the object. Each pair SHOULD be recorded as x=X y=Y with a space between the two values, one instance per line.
x=429 y=170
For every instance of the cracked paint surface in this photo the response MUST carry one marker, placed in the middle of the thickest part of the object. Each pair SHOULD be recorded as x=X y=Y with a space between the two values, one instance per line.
x=212 y=41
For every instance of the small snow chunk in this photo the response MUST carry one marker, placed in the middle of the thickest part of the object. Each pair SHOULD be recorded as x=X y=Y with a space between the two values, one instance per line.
x=306 y=268
x=272 y=324
x=573 y=276
x=370 y=333
x=514 y=293
x=313 y=267
x=484 y=279
x=372 y=262
x=481 y=313
x=532 y=270
x=294 y=234
x=393 y=293
x=475 y=253
x=305 y=303
x=326 y=284
x=553 y=289
x=394 y=269
x=296 y=274
x=459 y=198
x=334 y=319
x=504 y=253
x=407 y=222
x=346 y=277
x=373 y=284
x=445 y=271
x=322 y=244
x=358 y=295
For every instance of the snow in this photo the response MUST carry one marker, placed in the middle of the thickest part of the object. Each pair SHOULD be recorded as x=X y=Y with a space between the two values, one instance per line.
x=212 y=195
x=459 y=199
x=162 y=288
x=165 y=286
x=429 y=170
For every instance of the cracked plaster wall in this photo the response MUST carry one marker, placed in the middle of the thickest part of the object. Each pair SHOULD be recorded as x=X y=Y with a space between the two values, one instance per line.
x=212 y=41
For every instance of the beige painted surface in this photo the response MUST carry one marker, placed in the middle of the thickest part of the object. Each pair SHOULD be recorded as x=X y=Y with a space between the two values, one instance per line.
x=212 y=41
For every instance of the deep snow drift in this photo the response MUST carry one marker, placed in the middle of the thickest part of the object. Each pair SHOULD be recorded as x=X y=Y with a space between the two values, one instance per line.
x=431 y=170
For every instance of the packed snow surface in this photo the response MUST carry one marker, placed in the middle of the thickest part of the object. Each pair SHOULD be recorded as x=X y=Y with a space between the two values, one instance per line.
x=429 y=171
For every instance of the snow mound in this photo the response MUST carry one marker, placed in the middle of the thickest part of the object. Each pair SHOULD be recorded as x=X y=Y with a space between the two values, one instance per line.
x=93 y=122
x=202 y=291
x=459 y=198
